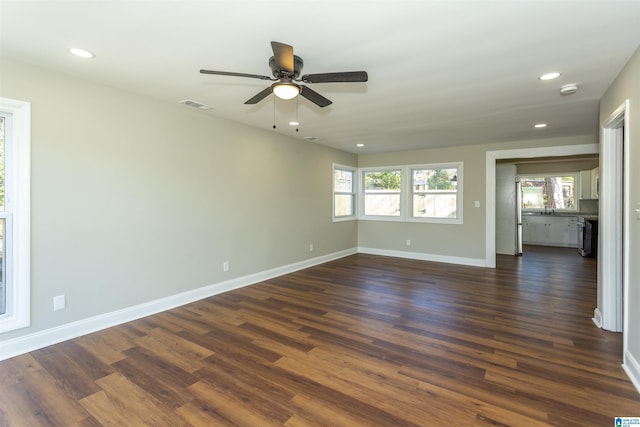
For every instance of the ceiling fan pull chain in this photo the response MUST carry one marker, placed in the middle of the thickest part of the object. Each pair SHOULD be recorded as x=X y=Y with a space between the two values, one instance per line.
x=274 y=112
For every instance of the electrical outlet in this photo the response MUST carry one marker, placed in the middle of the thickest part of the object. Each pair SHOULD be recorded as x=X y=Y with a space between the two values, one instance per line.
x=225 y=266
x=477 y=204
x=311 y=247
x=59 y=302
x=408 y=242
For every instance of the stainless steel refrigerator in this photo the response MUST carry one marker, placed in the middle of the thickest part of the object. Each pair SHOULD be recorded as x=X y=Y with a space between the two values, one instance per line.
x=518 y=218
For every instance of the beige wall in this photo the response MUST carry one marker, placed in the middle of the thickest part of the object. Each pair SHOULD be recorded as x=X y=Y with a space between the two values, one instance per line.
x=135 y=200
x=626 y=87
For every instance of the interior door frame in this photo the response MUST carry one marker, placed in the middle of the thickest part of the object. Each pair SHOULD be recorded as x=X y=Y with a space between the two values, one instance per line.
x=613 y=258
x=490 y=168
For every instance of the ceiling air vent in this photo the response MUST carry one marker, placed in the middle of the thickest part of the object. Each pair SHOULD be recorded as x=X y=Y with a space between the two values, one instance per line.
x=195 y=104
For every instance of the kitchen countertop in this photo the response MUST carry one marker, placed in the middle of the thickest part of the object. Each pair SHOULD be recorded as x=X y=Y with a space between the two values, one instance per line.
x=553 y=214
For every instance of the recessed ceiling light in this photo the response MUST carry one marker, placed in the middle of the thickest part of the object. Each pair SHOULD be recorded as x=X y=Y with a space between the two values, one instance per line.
x=360 y=145
x=540 y=125
x=550 y=76
x=294 y=123
x=81 y=52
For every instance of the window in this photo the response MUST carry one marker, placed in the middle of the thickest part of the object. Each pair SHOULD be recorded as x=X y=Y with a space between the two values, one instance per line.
x=4 y=122
x=382 y=190
x=434 y=192
x=556 y=192
x=419 y=193
x=344 y=194
x=15 y=172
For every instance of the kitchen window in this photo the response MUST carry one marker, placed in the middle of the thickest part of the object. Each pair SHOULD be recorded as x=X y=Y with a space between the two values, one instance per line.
x=15 y=172
x=555 y=192
x=344 y=193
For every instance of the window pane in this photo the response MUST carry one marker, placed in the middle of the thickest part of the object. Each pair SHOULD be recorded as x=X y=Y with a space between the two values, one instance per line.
x=434 y=205
x=382 y=204
x=435 y=179
x=343 y=205
x=3 y=270
x=343 y=180
x=382 y=181
x=552 y=192
x=1 y=163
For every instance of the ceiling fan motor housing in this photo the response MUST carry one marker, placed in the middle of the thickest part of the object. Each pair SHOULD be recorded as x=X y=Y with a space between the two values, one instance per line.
x=298 y=63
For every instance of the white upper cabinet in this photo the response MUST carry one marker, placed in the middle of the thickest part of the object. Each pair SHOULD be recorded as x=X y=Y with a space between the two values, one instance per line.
x=585 y=184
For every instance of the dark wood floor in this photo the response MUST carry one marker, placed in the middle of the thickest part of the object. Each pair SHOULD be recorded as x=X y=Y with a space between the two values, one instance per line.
x=365 y=340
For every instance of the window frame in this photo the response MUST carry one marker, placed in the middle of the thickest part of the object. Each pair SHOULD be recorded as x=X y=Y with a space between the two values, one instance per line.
x=406 y=193
x=18 y=214
x=576 y=190
x=459 y=191
x=362 y=193
x=354 y=193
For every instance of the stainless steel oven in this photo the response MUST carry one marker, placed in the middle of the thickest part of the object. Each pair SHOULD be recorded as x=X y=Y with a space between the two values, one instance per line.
x=588 y=236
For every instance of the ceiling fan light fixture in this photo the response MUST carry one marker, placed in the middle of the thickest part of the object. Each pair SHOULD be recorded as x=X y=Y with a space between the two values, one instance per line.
x=285 y=90
x=82 y=53
x=550 y=76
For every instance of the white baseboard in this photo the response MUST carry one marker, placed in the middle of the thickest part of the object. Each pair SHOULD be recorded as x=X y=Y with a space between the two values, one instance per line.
x=472 y=262
x=597 y=318
x=26 y=343
x=632 y=368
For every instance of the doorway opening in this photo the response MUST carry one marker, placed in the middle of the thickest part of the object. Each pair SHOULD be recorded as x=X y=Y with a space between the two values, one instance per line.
x=541 y=201
x=492 y=160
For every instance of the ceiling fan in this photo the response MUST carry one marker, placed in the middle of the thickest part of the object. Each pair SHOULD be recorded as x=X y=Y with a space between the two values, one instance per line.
x=286 y=68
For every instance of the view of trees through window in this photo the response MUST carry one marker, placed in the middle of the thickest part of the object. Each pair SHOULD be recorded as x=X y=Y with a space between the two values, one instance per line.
x=551 y=192
x=435 y=193
x=382 y=192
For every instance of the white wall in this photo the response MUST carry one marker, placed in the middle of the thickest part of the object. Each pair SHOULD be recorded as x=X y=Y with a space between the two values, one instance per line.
x=135 y=200
x=626 y=87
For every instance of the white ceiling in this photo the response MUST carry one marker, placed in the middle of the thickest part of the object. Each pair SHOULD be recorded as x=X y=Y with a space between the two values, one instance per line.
x=441 y=73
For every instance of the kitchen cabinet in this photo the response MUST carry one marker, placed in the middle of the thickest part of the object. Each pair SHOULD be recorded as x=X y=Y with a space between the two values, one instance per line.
x=550 y=230
x=585 y=184
x=595 y=183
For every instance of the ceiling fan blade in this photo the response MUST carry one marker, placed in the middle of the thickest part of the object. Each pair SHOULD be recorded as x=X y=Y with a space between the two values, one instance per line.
x=227 y=73
x=259 y=96
x=284 y=56
x=344 y=77
x=314 y=96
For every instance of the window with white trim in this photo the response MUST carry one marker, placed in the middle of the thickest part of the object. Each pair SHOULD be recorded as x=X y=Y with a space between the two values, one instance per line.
x=434 y=192
x=344 y=193
x=549 y=191
x=15 y=117
x=382 y=192
x=4 y=124
x=412 y=193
